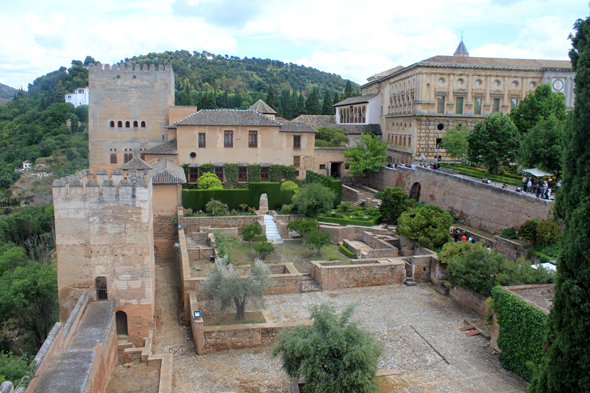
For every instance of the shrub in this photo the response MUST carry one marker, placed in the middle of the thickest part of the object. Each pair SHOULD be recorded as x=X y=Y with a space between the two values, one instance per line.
x=263 y=249
x=346 y=251
x=314 y=199
x=289 y=185
x=259 y=238
x=251 y=230
x=287 y=208
x=548 y=232
x=429 y=225
x=209 y=181
x=452 y=250
x=509 y=233
x=528 y=230
x=303 y=226
x=225 y=246
x=394 y=202
x=318 y=239
x=216 y=208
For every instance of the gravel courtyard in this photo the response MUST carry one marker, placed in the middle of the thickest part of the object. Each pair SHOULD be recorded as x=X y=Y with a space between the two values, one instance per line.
x=395 y=314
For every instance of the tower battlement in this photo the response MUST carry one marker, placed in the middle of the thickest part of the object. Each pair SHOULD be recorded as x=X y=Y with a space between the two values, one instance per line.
x=126 y=68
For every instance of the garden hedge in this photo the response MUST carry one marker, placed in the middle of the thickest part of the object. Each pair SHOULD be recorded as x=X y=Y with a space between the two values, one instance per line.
x=346 y=251
x=197 y=199
x=346 y=221
x=326 y=181
x=523 y=330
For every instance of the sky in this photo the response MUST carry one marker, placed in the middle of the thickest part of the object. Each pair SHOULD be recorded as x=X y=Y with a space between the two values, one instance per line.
x=351 y=38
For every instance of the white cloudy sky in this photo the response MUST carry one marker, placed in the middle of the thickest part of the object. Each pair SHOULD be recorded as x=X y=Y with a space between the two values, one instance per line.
x=351 y=38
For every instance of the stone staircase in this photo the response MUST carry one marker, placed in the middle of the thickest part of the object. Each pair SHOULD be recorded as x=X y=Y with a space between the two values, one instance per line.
x=272 y=231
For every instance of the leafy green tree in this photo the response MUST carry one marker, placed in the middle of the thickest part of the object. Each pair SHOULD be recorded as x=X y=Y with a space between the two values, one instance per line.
x=272 y=99
x=394 y=201
x=82 y=113
x=71 y=154
x=318 y=239
x=334 y=355
x=452 y=250
x=566 y=361
x=89 y=60
x=330 y=137
x=13 y=368
x=455 y=141
x=429 y=225
x=303 y=225
x=251 y=230
x=327 y=108
x=366 y=155
x=264 y=248
x=541 y=104
x=229 y=287
x=541 y=147
x=312 y=105
x=209 y=181
x=314 y=199
x=289 y=185
x=493 y=142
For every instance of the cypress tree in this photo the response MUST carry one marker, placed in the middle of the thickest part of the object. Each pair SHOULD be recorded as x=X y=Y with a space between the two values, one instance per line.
x=347 y=90
x=301 y=104
x=336 y=98
x=312 y=105
x=327 y=108
x=294 y=107
x=271 y=99
x=287 y=105
x=566 y=362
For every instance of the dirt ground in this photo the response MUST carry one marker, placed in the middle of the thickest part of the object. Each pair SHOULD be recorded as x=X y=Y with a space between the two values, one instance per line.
x=169 y=333
x=292 y=251
x=138 y=378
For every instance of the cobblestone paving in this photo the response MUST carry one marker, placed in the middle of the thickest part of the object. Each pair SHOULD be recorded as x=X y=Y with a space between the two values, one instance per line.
x=395 y=314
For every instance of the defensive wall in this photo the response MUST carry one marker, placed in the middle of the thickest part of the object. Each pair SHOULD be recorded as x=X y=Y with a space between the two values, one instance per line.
x=104 y=244
x=476 y=204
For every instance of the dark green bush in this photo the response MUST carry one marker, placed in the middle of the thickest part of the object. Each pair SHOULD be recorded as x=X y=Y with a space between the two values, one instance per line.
x=528 y=230
x=548 y=232
x=346 y=251
x=509 y=233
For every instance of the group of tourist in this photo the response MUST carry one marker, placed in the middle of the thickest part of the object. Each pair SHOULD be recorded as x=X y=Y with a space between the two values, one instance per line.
x=460 y=236
x=540 y=188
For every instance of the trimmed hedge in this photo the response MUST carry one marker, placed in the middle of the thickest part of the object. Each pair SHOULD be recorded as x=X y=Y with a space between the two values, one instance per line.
x=197 y=199
x=523 y=329
x=326 y=181
x=346 y=251
x=346 y=221
x=481 y=175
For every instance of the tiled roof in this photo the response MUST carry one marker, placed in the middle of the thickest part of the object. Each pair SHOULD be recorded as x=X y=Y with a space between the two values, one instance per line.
x=227 y=117
x=167 y=172
x=262 y=107
x=165 y=148
x=296 y=126
x=356 y=100
x=317 y=121
x=136 y=163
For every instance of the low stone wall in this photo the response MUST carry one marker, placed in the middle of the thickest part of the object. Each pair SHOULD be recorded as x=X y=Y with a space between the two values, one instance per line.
x=282 y=227
x=285 y=217
x=360 y=273
x=510 y=249
x=338 y=232
x=194 y=224
x=349 y=194
x=470 y=299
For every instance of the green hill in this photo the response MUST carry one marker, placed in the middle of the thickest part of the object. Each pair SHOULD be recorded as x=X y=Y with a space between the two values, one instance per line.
x=7 y=91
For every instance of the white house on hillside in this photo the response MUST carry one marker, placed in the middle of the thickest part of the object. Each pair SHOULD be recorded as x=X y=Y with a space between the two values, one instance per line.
x=78 y=97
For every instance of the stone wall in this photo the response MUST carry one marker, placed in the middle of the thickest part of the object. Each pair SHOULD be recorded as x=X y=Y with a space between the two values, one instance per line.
x=165 y=236
x=510 y=249
x=470 y=299
x=194 y=224
x=338 y=233
x=477 y=205
x=333 y=275
x=349 y=194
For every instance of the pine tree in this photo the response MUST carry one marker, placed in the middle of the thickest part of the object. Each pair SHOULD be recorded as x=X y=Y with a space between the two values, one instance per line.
x=271 y=99
x=327 y=108
x=312 y=106
x=566 y=362
x=287 y=105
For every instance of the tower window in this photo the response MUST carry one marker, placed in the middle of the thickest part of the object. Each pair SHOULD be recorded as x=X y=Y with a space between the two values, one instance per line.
x=120 y=124
x=113 y=158
x=228 y=140
x=477 y=106
x=135 y=124
x=112 y=124
x=127 y=124
x=101 y=288
x=143 y=124
x=297 y=142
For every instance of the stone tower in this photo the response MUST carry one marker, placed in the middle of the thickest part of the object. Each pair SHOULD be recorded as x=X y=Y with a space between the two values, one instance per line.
x=128 y=111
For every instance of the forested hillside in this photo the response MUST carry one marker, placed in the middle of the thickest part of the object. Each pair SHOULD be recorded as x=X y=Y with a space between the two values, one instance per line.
x=214 y=81
x=7 y=91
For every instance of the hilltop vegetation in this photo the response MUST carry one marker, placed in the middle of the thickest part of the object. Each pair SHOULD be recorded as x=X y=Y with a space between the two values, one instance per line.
x=7 y=92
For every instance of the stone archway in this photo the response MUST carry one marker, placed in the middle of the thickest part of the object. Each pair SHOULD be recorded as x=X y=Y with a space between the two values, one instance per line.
x=415 y=191
x=121 y=319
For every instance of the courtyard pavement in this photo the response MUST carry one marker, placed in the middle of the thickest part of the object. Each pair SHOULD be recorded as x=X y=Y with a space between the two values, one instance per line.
x=395 y=314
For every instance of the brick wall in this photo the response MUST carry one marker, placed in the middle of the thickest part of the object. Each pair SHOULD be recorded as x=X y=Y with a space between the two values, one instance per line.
x=510 y=249
x=338 y=233
x=334 y=275
x=472 y=300
x=194 y=224
x=165 y=236
x=349 y=194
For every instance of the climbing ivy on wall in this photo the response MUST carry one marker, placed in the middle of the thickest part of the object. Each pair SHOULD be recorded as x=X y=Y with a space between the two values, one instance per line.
x=523 y=329
x=290 y=173
x=231 y=175
x=276 y=173
x=206 y=168
x=254 y=173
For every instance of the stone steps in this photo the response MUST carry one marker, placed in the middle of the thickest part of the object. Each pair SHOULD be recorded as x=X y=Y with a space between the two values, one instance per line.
x=410 y=283
x=272 y=231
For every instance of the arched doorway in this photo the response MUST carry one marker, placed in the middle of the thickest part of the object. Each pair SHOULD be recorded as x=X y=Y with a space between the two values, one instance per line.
x=121 y=319
x=415 y=191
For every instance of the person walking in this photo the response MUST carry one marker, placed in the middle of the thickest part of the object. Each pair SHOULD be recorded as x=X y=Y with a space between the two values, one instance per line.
x=525 y=180
x=464 y=238
x=529 y=186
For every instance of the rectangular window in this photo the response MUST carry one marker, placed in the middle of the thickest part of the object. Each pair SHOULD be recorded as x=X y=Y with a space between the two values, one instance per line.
x=101 y=288
x=113 y=158
x=322 y=166
x=296 y=161
x=242 y=174
x=228 y=139
x=219 y=173
x=513 y=103
x=477 y=108
x=495 y=105
x=265 y=174
x=438 y=141
x=409 y=141
x=253 y=139
x=127 y=158
x=297 y=142
x=459 y=105
x=440 y=104
x=202 y=141
x=193 y=175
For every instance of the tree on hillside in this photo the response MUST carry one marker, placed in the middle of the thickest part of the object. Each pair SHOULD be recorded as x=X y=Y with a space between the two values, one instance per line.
x=333 y=355
x=539 y=105
x=366 y=155
x=327 y=108
x=493 y=142
x=394 y=201
x=229 y=287
x=312 y=105
x=541 y=146
x=301 y=104
x=455 y=141
x=271 y=98
x=314 y=199
x=566 y=361
x=347 y=90
x=428 y=225
x=336 y=99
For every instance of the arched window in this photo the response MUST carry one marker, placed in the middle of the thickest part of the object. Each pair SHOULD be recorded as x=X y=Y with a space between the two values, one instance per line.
x=135 y=124
x=142 y=124
x=127 y=124
x=127 y=157
x=119 y=124
x=121 y=320
x=113 y=158
x=112 y=124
